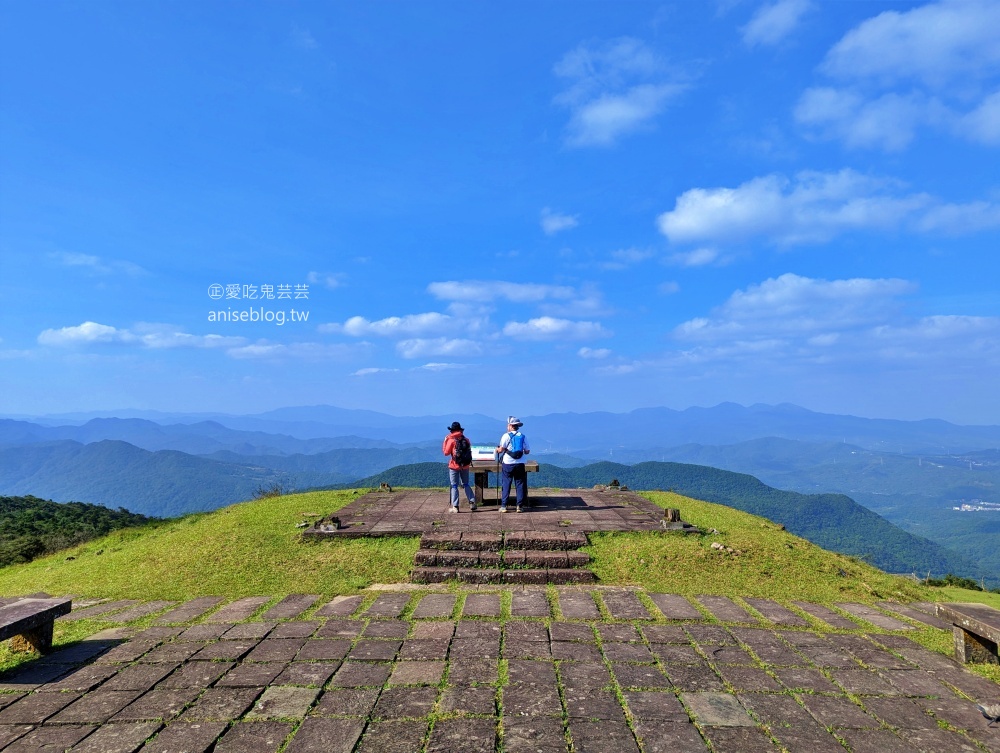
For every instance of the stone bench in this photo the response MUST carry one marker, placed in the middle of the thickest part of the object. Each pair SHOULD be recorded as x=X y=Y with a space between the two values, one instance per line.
x=28 y=622
x=976 y=628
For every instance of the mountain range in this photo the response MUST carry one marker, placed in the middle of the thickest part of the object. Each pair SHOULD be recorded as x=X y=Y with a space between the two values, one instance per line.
x=911 y=472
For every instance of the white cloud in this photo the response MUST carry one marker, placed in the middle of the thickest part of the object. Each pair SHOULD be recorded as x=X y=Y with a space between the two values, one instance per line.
x=614 y=89
x=371 y=370
x=393 y=326
x=941 y=327
x=602 y=121
x=553 y=222
x=668 y=288
x=961 y=218
x=983 y=123
x=153 y=336
x=97 y=265
x=812 y=208
x=303 y=38
x=774 y=21
x=551 y=328
x=620 y=369
x=308 y=351
x=794 y=325
x=442 y=366
x=937 y=44
x=440 y=346
x=593 y=353
x=699 y=257
x=552 y=300
x=493 y=290
x=791 y=305
x=88 y=332
x=889 y=121
x=935 y=66
x=624 y=258
x=329 y=281
x=162 y=336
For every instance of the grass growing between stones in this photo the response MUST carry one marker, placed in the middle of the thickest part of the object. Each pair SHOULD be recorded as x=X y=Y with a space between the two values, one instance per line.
x=768 y=561
x=252 y=548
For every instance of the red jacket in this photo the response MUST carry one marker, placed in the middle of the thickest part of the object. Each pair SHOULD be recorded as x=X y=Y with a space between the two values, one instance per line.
x=448 y=447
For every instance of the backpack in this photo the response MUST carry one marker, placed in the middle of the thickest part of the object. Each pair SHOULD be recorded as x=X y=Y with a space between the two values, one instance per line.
x=462 y=454
x=515 y=447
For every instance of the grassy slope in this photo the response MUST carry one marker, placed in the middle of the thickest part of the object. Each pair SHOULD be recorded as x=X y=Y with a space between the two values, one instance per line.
x=255 y=548
x=245 y=549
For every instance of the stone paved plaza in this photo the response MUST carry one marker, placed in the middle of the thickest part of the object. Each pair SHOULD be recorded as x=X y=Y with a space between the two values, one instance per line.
x=415 y=511
x=517 y=670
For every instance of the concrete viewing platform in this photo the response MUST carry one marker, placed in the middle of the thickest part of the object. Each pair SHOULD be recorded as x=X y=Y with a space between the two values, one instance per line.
x=496 y=670
x=416 y=512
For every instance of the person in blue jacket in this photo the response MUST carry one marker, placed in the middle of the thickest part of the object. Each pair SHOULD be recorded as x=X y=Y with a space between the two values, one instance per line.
x=511 y=452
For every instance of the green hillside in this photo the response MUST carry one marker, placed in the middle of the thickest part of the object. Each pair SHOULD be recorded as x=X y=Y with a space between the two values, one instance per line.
x=256 y=548
x=832 y=521
x=916 y=493
x=32 y=527
x=118 y=474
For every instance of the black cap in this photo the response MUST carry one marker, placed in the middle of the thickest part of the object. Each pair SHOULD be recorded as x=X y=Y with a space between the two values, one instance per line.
x=455 y=426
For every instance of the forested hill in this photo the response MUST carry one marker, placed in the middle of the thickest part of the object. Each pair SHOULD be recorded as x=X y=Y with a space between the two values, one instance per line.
x=31 y=527
x=833 y=521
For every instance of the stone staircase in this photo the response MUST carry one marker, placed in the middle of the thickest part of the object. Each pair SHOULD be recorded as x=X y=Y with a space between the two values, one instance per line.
x=530 y=557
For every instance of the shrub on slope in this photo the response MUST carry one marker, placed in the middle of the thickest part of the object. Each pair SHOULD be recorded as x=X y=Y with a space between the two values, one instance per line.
x=32 y=527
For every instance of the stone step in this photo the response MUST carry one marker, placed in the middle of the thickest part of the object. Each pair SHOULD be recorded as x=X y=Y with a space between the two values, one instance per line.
x=531 y=558
x=467 y=541
x=536 y=576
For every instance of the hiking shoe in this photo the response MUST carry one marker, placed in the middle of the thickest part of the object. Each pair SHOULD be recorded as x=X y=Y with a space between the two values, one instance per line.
x=453 y=508
x=473 y=506
x=503 y=508
x=518 y=509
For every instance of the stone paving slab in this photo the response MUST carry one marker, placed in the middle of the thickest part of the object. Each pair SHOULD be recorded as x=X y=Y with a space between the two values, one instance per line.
x=675 y=607
x=388 y=605
x=189 y=610
x=576 y=604
x=725 y=609
x=340 y=606
x=915 y=614
x=49 y=738
x=254 y=737
x=239 y=610
x=776 y=613
x=482 y=605
x=435 y=605
x=875 y=617
x=624 y=605
x=290 y=607
x=609 y=671
x=827 y=615
x=99 y=610
x=393 y=737
x=117 y=738
x=530 y=604
x=139 y=611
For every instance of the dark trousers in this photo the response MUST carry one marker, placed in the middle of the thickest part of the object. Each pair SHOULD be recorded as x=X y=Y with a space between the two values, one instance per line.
x=519 y=476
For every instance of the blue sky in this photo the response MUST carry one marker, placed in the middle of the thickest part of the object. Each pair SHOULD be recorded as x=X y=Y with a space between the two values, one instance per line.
x=496 y=208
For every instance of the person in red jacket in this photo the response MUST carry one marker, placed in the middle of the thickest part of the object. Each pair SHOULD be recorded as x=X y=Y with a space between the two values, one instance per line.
x=460 y=449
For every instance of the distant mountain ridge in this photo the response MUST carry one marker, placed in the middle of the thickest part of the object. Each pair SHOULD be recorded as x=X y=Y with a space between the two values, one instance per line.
x=602 y=433
x=117 y=474
x=201 y=438
x=910 y=472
